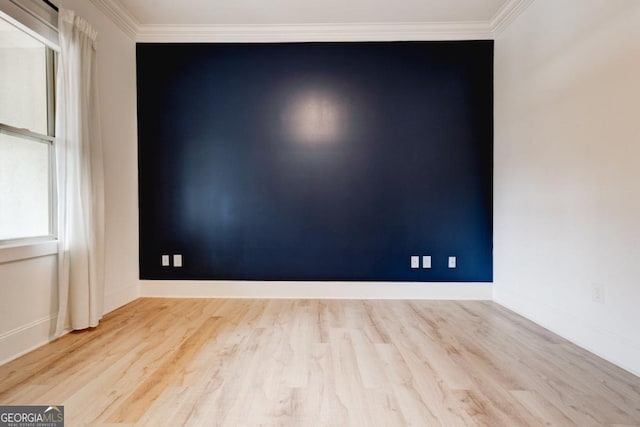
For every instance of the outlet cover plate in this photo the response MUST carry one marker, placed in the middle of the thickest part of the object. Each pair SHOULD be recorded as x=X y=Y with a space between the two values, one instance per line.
x=415 y=261
x=177 y=260
x=426 y=261
x=453 y=262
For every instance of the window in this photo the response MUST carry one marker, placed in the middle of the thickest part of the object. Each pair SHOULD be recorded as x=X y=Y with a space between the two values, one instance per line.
x=26 y=136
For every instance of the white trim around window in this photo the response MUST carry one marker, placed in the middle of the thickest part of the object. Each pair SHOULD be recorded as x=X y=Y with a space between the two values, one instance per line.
x=28 y=248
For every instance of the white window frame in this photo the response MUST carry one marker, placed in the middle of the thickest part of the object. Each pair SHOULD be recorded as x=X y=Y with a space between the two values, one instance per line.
x=39 y=22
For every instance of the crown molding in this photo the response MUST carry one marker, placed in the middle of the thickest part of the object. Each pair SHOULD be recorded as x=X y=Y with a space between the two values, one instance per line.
x=315 y=32
x=120 y=16
x=507 y=14
x=464 y=30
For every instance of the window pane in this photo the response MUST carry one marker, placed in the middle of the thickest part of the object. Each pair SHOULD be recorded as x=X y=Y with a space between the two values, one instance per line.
x=24 y=187
x=23 y=80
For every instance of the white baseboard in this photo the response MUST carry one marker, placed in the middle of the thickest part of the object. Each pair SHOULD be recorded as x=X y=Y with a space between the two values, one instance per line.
x=119 y=297
x=315 y=290
x=26 y=338
x=608 y=345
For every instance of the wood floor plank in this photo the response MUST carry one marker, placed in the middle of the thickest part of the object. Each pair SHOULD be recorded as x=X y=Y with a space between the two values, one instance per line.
x=544 y=409
x=235 y=362
x=555 y=376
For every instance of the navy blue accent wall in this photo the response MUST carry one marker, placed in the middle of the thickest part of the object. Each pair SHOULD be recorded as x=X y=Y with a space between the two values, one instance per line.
x=316 y=161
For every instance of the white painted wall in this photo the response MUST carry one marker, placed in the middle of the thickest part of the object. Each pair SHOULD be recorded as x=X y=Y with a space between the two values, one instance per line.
x=27 y=287
x=28 y=297
x=567 y=172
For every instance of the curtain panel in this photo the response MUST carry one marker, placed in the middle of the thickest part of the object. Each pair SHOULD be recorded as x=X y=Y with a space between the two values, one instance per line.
x=80 y=181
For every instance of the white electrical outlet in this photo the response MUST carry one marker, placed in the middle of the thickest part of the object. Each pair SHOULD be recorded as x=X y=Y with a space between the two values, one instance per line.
x=177 y=260
x=452 y=262
x=165 y=260
x=597 y=294
x=426 y=261
x=415 y=261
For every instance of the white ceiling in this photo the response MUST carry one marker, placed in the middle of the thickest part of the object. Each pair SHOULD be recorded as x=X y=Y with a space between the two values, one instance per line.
x=310 y=20
x=278 y=12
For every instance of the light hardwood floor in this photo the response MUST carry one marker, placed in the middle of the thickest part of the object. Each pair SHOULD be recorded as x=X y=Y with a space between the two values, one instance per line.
x=206 y=362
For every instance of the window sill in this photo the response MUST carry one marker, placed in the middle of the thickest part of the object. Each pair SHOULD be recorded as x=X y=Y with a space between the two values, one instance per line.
x=22 y=251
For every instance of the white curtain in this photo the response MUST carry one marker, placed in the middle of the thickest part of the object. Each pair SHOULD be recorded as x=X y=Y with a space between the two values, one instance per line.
x=80 y=182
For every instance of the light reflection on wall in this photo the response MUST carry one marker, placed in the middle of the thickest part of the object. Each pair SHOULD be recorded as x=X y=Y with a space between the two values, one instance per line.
x=315 y=117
